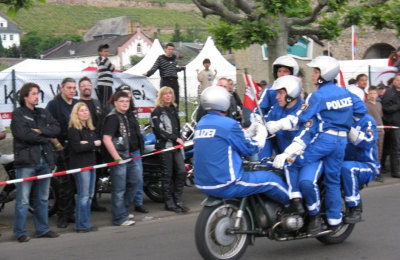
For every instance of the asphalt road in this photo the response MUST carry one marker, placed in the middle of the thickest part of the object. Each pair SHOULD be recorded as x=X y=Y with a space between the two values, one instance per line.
x=172 y=237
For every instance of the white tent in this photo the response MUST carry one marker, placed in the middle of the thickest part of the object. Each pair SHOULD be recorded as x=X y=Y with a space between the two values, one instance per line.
x=218 y=62
x=147 y=62
x=224 y=68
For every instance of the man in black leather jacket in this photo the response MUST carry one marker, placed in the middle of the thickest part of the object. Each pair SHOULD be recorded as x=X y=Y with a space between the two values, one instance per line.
x=391 y=116
x=34 y=155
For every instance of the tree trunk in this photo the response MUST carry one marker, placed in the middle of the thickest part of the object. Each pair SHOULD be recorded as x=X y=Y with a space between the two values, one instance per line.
x=277 y=47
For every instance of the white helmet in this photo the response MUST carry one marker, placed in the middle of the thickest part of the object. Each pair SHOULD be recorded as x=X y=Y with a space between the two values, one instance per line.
x=285 y=61
x=215 y=98
x=291 y=84
x=328 y=66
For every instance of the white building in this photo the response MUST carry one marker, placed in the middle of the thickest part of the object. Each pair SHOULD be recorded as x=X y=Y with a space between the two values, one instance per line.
x=9 y=34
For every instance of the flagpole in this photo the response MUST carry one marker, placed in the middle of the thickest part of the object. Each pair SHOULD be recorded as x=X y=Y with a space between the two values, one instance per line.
x=352 y=42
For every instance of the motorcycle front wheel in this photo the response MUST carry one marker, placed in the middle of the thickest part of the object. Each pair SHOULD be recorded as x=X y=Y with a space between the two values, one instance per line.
x=212 y=236
x=153 y=190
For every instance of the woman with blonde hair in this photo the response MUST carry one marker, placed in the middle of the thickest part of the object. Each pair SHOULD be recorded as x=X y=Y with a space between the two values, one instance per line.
x=83 y=142
x=166 y=127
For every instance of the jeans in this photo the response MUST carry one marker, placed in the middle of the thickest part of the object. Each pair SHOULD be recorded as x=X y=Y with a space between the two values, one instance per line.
x=125 y=182
x=85 y=182
x=40 y=195
x=138 y=199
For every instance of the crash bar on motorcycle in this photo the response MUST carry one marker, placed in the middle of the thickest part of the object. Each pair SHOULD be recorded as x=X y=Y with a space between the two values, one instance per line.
x=103 y=165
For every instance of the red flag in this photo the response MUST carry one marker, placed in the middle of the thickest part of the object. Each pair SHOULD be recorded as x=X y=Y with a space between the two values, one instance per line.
x=341 y=79
x=354 y=43
x=252 y=87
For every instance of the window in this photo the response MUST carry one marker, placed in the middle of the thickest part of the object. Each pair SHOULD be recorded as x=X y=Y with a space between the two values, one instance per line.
x=4 y=37
x=139 y=48
x=1 y=25
x=11 y=37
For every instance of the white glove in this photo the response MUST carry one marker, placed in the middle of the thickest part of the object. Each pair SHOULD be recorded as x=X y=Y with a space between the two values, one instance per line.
x=261 y=135
x=273 y=127
x=353 y=135
x=251 y=131
x=280 y=160
x=294 y=149
x=256 y=118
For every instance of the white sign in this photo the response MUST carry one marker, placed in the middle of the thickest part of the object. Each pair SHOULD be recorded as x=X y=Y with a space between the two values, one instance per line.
x=143 y=92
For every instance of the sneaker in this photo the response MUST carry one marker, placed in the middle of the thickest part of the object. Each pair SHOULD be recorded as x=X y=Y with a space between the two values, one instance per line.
x=314 y=225
x=128 y=223
x=141 y=209
x=48 y=234
x=354 y=215
x=23 y=238
x=91 y=229
x=131 y=216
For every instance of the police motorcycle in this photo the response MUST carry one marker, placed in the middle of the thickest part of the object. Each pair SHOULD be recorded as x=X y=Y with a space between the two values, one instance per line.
x=225 y=227
x=8 y=192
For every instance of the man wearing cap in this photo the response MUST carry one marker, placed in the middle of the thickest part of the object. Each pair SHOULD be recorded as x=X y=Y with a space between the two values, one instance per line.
x=104 y=75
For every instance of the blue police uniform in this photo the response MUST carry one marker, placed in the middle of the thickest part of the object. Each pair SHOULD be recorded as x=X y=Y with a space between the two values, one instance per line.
x=334 y=107
x=219 y=143
x=267 y=100
x=361 y=163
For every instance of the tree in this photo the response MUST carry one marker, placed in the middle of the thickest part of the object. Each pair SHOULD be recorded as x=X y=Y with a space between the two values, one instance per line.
x=282 y=22
x=14 y=5
x=135 y=59
x=177 y=36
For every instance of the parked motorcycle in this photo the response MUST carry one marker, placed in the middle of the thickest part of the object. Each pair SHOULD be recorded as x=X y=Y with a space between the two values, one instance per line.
x=225 y=227
x=9 y=192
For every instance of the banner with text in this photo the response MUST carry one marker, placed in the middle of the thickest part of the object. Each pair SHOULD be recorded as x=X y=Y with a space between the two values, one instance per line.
x=143 y=92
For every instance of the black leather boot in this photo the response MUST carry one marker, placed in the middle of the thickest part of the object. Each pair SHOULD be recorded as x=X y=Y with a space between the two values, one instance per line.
x=314 y=225
x=297 y=205
x=353 y=216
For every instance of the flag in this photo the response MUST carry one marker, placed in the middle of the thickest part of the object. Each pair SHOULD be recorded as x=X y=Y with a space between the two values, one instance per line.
x=341 y=80
x=252 y=87
x=353 y=43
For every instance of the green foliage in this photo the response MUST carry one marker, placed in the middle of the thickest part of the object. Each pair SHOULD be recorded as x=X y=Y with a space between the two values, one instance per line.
x=76 y=19
x=33 y=43
x=135 y=59
x=177 y=36
x=13 y=6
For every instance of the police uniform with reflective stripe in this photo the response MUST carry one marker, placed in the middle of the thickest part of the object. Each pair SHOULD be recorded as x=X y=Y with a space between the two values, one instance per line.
x=361 y=163
x=335 y=108
x=219 y=144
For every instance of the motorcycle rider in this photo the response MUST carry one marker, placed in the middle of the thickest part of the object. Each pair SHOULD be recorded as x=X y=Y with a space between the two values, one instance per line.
x=288 y=89
x=335 y=107
x=283 y=65
x=361 y=164
x=220 y=142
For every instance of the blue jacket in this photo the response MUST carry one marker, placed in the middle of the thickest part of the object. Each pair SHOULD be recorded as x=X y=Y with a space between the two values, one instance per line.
x=334 y=107
x=364 y=148
x=219 y=143
x=283 y=137
x=267 y=100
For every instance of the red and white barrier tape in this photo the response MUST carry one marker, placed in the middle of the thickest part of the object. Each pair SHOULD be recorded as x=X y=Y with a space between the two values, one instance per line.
x=73 y=171
x=388 y=127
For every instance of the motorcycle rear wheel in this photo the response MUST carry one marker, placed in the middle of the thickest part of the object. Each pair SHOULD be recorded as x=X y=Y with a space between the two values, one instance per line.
x=212 y=239
x=153 y=190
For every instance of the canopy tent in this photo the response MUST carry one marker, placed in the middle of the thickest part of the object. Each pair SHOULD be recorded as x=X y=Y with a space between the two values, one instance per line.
x=210 y=51
x=218 y=62
x=147 y=62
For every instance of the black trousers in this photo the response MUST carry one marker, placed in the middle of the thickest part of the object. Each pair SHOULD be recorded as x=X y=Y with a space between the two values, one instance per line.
x=173 y=176
x=394 y=137
x=66 y=190
x=103 y=93
x=173 y=83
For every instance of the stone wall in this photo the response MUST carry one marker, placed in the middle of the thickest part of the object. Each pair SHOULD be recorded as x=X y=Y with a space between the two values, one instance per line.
x=370 y=43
